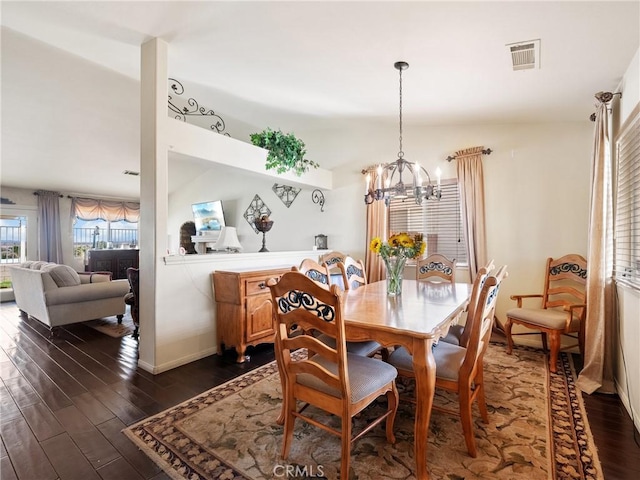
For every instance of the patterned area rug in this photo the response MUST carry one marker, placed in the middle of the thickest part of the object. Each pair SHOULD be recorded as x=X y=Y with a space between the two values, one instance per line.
x=110 y=326
x=538 y=430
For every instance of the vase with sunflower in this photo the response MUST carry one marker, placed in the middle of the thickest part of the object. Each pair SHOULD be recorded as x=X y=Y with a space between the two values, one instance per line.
x=394 y=253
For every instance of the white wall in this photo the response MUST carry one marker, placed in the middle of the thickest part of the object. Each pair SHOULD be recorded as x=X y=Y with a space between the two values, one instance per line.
x=294 y=227
x=536 y=185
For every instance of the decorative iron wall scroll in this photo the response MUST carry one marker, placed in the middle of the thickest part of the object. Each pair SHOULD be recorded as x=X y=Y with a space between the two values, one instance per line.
x=193 y=109
x=318 y=197
x=256 y=209
x=286 y=193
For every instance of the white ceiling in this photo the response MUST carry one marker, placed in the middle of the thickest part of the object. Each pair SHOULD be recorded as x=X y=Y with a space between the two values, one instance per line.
x=309 y=63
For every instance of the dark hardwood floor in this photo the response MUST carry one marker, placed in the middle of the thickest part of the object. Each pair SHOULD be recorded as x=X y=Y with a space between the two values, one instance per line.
x=64 y=401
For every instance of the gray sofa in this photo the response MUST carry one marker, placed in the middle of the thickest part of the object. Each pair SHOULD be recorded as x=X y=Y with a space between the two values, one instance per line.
x=57 y=295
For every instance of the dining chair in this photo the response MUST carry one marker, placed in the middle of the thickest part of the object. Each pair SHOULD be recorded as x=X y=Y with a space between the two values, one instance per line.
x=353 y=276
x=458 y=334
x=332 y=380
x=315 y=271
x=562 y=308
x=320 y=274
x=436 y=268
x=458 y=369
x=133 y=298
x=332 y=258
x=353 y=273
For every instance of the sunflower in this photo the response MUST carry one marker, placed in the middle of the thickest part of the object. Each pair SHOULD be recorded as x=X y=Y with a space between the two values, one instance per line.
x=405 y=240
x=375 y=245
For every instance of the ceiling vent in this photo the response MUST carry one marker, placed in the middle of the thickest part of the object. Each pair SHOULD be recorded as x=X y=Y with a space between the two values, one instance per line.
x=131 y=172
x=525 y=55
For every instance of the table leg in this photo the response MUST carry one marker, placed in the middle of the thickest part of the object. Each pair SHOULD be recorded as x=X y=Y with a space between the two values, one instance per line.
x=424 y=367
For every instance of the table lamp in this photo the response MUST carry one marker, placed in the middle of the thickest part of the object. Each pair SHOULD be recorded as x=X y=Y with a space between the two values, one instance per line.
x=228 y=240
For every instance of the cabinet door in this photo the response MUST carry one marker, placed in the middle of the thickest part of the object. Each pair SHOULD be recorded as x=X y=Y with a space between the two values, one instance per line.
x=259 y=321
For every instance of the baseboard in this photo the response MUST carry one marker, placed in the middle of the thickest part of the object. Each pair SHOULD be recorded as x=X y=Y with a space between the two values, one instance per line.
x=156 y=369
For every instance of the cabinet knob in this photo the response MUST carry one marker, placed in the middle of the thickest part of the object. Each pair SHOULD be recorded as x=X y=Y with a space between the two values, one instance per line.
x=262 y=285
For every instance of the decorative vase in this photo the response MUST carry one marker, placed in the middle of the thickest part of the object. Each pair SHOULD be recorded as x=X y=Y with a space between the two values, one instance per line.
x=263 y=225
x=395 y=268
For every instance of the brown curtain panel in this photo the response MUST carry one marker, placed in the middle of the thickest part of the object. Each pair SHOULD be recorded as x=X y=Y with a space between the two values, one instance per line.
x=112 y=210
x=49 y=231
x=471 y=185
x=599 y=327
x=377 y=226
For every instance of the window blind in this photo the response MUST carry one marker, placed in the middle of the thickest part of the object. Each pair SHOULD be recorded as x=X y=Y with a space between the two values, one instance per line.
x=627 y=203
x=440 y=222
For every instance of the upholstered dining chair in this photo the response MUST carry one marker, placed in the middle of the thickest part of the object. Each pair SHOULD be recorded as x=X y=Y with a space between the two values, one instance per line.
x=132 y=298
x=315 y=271
x=458 y=334
x=562 y=307
x=332 y=380
x=436 y=268
x=320 y=273
x=353 y=276
x=353 y=273
x=332 y=259
x=458 y=369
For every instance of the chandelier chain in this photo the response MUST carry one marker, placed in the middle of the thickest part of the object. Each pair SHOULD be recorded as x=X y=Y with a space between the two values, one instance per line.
x=400 y=152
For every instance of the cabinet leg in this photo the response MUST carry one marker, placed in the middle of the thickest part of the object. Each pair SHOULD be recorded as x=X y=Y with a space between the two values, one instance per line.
x=241 y=354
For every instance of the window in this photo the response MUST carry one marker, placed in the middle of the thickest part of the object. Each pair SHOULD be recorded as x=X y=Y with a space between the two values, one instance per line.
x=439 y=221
x=103 y=224
x=627 y=203
x=89 y=234
x=13 y=245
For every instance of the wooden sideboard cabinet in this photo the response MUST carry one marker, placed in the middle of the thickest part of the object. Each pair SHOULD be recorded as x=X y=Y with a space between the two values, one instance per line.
x=243 y=308
x=115 y=260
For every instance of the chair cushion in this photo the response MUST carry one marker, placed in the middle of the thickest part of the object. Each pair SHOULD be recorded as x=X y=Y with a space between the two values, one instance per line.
x=63 y=275
x=448 y=359
x=365 y=374
x=365 y=348
x=548 y=318
x=453 y=335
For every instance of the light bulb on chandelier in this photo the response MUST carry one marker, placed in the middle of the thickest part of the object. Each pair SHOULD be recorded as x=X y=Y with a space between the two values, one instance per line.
x=383 y=186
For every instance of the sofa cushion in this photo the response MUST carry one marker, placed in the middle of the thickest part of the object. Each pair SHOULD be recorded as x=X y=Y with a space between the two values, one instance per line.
x=63 y=275
x=87 y=293
x=37 y=265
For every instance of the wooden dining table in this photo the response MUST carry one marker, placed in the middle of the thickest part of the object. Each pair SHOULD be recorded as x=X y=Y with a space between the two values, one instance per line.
x=416 y=319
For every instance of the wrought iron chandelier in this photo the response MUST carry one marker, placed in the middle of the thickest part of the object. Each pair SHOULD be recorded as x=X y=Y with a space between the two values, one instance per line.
x=384 y=185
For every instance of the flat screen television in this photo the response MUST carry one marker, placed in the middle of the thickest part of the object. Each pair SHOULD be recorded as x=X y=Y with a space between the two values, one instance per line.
x=208 y=216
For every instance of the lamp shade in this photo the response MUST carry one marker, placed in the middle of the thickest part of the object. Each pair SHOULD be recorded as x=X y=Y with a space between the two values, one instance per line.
x=228 y=240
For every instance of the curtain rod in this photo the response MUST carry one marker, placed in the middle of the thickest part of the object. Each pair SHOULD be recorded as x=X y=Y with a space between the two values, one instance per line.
x=59 y=194
x=114 y=199
x=486 y=151
x=604 y=97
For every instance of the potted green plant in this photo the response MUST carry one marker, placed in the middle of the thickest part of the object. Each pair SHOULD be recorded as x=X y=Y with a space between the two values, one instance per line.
x=286 y=152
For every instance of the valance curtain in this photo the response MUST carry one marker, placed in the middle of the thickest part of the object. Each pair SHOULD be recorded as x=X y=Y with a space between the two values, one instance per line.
x=597 y=372
x=111 y=210
x=471 y=184
x=377 y=226
x=49 y=231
